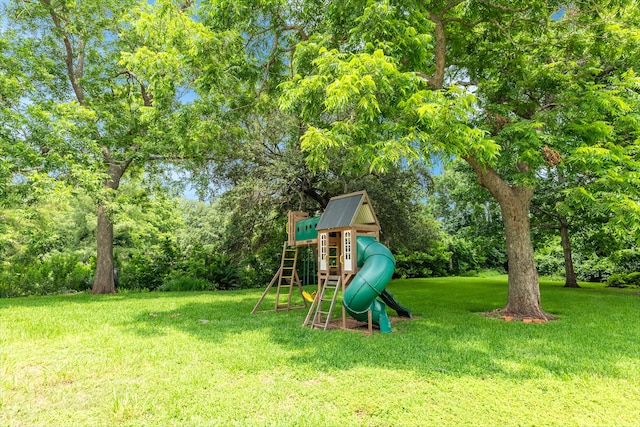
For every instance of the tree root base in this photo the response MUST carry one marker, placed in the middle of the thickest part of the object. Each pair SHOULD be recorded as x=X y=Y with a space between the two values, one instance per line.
x=509 y=316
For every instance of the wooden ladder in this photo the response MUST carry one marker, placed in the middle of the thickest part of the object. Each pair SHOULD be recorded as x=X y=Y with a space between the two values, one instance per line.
x=286 y=278
x=328 y=295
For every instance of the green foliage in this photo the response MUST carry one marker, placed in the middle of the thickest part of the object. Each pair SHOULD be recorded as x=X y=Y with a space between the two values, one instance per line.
x=470 y=219
x=474 y=253
x=200 y=267
x=207 y=264
x=621 y=280
x=160 y=243
x=627 y=259
x=45 y=246
x=96 y=92
x=171 y=269
x=592 y=268
x=500 y=86
x=421 y=264
x=88 y=89
x=549 y=261
x=56 y=273
x=596 y=256
x=143 y=271
x=256 y=270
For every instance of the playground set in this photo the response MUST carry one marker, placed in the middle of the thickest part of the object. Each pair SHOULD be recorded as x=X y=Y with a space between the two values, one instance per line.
x=351 y=262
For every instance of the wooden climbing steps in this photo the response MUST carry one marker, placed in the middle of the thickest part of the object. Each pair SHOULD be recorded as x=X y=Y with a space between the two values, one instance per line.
x=285 y=279
x=321 y=311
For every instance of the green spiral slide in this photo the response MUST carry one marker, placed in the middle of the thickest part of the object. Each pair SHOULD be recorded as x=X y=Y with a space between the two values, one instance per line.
x=362 y=294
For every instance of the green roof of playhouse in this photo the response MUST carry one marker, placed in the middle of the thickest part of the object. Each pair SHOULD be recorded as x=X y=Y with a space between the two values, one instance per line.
x=348 y=210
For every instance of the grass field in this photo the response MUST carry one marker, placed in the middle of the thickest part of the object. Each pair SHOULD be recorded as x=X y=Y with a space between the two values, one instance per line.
x=201 y=359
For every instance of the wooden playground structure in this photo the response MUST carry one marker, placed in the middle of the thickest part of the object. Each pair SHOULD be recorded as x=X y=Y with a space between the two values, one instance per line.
x=333 y=236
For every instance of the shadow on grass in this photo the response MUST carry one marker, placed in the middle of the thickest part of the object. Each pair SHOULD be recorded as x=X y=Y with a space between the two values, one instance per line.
x=447 y=337
x=595 y=336
x=88 y=298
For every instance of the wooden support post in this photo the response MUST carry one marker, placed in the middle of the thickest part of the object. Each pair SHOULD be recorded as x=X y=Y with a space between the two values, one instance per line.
x=285 y=277
x=266 y=291
x=307 y=320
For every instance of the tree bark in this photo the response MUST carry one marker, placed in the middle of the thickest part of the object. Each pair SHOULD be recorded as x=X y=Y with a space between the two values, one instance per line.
x=569 y=272
x=437 y=80
x=103 y=280
x=523 y=299
x=524 y=289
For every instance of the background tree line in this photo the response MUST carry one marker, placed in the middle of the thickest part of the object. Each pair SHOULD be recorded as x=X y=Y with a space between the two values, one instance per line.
x=164 y=242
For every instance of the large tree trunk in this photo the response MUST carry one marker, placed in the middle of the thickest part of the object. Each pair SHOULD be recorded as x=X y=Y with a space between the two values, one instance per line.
x=103 y=280
x=523 y=299
x=569 y=272
x=524 y=289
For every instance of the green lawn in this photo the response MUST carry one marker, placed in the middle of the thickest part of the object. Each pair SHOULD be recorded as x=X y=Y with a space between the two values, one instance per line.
x=202 y=359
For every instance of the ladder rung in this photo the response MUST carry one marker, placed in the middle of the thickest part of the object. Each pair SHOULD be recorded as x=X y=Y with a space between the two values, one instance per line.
x=331 y=283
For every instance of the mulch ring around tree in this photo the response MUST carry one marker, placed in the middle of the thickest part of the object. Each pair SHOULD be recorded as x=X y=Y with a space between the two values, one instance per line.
x=513 y=317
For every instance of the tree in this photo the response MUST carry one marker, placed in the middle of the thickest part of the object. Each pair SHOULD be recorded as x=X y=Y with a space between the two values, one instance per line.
x=103 y=95
x=263 y=167
x=491 y=82
x=553 y=212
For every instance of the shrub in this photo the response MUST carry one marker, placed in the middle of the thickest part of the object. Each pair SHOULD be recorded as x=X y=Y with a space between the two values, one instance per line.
x=550 y=261
x=54 y=274
x=420 y=264
x=469 y=273
x=627 y=260
x=149 y=269
x=142 y=271
x=616 y=280
x=169 y=269
x=67 y=272
x=594 y=269
x=634 y=279
x=622 y=280
x=207 y=264
x=224 y=274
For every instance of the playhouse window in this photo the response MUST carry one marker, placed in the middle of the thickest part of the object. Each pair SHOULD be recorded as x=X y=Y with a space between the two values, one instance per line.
x=347 y=245
x=323 y=246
